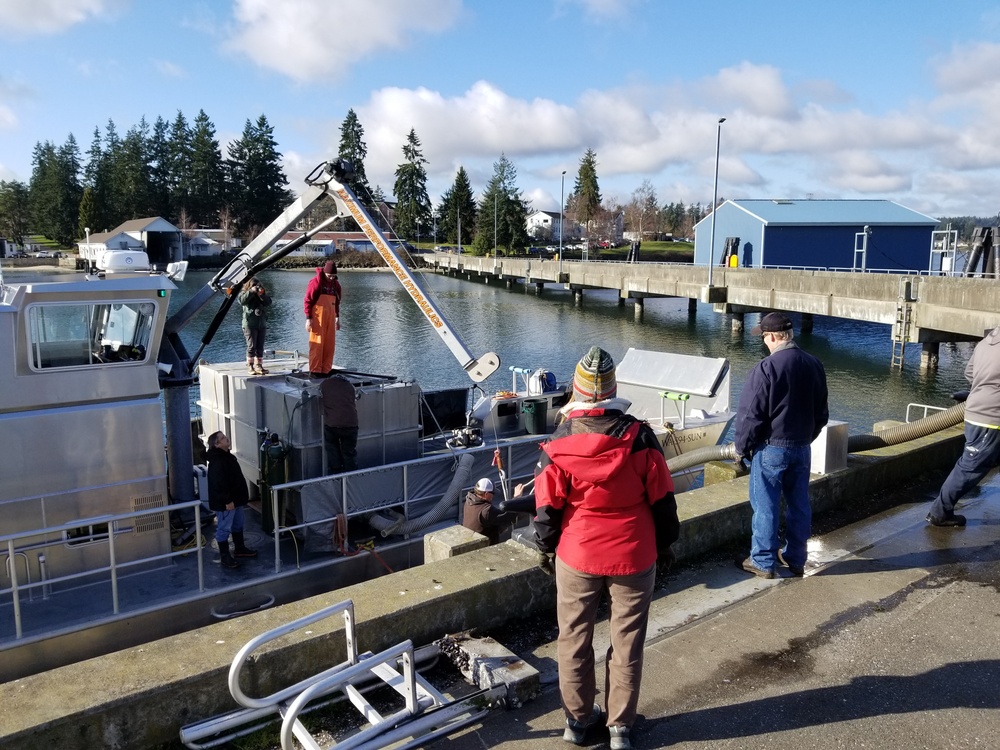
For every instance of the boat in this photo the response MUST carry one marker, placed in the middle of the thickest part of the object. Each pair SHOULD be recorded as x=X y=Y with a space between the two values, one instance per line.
x=106 y=529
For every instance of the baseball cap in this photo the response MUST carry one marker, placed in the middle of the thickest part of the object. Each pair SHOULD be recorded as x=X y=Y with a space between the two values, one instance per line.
x=484 y=485
x=774 y=322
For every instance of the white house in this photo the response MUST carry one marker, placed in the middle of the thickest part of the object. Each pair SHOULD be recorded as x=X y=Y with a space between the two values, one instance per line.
x=161 y=241
x=201 y=246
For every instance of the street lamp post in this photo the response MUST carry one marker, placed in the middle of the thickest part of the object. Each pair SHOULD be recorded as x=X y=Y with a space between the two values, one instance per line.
x=715 y=201
x=86 y=231
x=495 y=195
x=562 y=205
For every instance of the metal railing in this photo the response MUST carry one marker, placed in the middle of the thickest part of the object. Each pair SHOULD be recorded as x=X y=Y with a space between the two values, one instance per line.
x=407 y=475
x=113 y=567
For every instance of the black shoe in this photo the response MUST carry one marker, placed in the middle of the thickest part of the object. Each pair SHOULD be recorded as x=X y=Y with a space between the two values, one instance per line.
x=228 y=562
x=245 y=552
x=747 y=565
x=797 y=572
x=955 y=519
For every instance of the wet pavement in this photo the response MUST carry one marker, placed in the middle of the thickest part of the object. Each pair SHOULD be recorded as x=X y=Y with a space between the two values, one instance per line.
x=891 y=640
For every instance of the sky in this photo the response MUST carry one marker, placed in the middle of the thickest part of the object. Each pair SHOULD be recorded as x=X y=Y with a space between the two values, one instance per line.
x=885 y=99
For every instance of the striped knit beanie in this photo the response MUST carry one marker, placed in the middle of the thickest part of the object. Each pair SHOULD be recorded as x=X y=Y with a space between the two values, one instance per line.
x=594 y=379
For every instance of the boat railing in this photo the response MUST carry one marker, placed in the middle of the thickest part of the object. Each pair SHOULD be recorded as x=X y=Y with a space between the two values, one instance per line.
x=407 y=488
x=919 y=411
x=114 y=567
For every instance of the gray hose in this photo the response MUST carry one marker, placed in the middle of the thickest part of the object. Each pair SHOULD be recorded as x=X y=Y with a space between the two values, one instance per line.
x=444 y=507
x=855 y=443
x=904 y=432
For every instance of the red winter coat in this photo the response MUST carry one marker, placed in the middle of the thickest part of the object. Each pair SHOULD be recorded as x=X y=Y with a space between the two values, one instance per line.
x=604 y=498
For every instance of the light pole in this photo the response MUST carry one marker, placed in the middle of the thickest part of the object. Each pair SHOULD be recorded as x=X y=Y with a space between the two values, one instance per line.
x=715 y=200
x=86 y=231
x=495 y=195
x=562 y=204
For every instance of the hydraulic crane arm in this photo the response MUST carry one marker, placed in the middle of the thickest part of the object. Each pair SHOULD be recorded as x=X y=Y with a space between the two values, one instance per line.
x=327 y=180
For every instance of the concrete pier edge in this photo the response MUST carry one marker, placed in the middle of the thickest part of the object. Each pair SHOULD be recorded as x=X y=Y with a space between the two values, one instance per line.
x=141 y=696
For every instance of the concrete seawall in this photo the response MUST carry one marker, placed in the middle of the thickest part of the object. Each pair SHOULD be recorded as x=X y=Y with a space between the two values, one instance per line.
x=140 y=697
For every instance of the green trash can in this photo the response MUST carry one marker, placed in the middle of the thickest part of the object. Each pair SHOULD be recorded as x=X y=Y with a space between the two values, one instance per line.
x=535 y=414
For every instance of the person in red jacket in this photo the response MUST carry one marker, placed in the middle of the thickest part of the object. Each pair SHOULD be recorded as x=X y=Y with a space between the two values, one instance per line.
x=322 y=308
x=604 y=504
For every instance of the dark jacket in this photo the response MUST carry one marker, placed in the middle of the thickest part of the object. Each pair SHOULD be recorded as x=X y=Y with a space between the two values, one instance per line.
x=254 y=308
x=783 y=403
x=226 y=483
x=480 y=515
x=604 y=497
x=318 y=285
x=340 y=408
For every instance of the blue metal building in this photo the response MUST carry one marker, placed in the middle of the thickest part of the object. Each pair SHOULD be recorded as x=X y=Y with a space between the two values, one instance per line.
x=834 y=234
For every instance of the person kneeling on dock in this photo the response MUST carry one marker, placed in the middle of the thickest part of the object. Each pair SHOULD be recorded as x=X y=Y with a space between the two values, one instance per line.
x=228 y=495
x=481 y=516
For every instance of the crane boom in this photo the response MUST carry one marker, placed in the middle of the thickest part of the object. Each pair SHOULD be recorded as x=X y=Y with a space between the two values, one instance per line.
x=327 y=180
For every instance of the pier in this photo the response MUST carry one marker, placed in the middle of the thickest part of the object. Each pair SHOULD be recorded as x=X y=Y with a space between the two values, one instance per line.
x=919 y=308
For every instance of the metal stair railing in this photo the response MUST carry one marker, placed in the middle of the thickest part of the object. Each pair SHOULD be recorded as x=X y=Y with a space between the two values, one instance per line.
x=427 y=713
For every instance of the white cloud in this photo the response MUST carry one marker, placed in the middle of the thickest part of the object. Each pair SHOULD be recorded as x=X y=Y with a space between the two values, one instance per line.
x=8 y=120
x=316 y=39
x=54 y=16
x=599 y=10
x=169 y=69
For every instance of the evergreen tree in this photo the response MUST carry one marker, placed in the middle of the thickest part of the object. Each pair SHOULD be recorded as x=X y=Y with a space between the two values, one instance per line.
x=413 y=206
x=586 y=195
x=158 y=153
x=95 y=182
x=257 y=181
x=115 y=201
x=54 y=191
x=502 y=214
x=179 y=156
x=207 y=173
x=353 y=148
x=131 y=174
x=15 y=211
x=88 y=213
x=458 y=201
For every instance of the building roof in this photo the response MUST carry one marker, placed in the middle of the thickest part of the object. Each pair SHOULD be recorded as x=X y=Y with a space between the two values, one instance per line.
x=851 y=212
x=146 y=225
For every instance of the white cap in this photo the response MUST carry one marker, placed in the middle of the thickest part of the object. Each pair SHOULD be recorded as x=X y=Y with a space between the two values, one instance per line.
x=484 y=485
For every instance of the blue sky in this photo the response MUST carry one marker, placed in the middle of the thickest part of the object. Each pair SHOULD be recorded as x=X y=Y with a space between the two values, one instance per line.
x=886 y=99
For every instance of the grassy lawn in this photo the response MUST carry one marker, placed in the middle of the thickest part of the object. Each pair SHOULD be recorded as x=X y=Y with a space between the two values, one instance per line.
x=44 y=243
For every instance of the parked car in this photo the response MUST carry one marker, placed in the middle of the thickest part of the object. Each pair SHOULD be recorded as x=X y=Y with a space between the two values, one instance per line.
x=43 y=254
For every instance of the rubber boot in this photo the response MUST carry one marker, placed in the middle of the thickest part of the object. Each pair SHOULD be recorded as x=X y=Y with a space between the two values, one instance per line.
x=227 y=559
x=241 y=549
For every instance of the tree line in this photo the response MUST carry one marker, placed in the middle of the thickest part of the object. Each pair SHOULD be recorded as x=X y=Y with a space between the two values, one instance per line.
x=176 y=170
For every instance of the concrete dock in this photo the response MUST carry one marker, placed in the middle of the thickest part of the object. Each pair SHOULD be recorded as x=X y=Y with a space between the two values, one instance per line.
x=889 y=641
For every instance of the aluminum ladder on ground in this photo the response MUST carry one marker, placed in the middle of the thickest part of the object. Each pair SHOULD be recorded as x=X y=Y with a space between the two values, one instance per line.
x=426 y=715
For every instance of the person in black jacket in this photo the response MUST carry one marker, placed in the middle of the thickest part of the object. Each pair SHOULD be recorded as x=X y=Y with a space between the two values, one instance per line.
x=228 y=495
x=783 y=408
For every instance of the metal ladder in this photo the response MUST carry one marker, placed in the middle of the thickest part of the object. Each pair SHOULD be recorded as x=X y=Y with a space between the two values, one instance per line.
x=426 y=715
x=901 y=328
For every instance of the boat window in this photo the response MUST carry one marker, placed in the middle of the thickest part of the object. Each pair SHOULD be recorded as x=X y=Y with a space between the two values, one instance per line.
x=73 y=334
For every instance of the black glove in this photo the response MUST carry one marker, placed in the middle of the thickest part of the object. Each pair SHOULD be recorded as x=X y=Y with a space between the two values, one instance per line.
x=526 y=537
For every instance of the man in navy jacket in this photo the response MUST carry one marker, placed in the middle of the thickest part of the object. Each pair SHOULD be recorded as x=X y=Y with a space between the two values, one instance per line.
x=783 y=408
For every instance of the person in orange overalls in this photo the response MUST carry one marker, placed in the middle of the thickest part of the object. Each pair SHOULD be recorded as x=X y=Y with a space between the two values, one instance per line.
x=322 y=308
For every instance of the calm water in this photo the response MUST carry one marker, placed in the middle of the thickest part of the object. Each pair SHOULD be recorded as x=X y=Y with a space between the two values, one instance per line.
x=383 y=332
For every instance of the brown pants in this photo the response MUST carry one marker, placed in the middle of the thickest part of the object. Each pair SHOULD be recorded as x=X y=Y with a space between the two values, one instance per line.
x=577 y=597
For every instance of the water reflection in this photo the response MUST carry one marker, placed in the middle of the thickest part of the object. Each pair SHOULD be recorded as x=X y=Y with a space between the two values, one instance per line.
x=383 y=331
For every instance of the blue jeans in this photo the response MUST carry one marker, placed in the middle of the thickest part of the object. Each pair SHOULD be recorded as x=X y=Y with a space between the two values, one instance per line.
x=981 y=453
x=228 y=520
x=773 y=471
